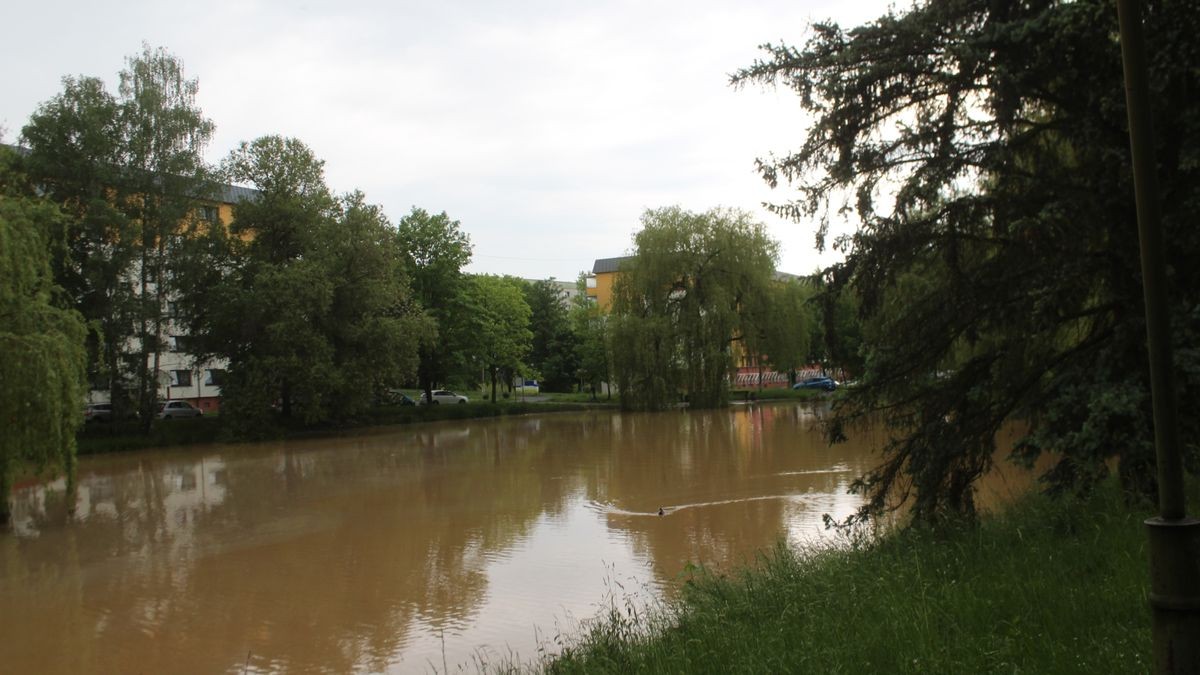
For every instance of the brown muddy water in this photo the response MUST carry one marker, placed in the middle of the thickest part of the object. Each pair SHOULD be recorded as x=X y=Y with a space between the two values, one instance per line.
x=409 y=549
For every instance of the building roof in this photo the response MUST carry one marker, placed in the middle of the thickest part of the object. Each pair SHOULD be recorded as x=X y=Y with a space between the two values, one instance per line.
x=232 y=194
x=607 y=265
x=228 y=194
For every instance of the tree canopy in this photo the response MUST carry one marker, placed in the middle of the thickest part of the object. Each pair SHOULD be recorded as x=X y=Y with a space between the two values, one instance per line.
x=552 y=352
x=43 y=368
x=435 y=249
x=681 y=302
x=491 y=326
x=589 y=333
x=126 y=170
x=982 y=149
x=306 y=297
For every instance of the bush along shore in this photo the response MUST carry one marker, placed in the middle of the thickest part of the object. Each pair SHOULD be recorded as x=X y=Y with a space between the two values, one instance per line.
x=102 y=438
x=99 y=438
x=1047 y=586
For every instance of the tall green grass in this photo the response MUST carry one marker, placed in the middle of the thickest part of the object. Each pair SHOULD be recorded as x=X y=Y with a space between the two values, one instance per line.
x=1045 y=587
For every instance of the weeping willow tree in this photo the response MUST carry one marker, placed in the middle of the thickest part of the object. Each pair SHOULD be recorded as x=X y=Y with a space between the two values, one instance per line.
x=44 y=361
x=680 y=305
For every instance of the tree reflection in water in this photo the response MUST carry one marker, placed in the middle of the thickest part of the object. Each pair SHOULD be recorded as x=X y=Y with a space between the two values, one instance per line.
x=362 y=552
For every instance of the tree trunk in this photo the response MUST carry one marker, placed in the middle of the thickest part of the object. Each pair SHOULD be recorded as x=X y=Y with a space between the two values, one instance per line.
x=5 y=488
x=285 y=400
x=144 y=403
x=425 y=370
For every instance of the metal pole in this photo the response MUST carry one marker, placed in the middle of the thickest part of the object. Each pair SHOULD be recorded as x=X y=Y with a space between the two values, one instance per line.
x=1174 y=538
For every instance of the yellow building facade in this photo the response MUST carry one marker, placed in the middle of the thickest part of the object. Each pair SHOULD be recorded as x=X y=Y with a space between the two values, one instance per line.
x=600 y=283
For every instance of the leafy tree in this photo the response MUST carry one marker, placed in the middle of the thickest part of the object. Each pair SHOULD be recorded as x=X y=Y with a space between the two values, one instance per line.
x=552 y=351
x=589 y=329
x=983 y=148
x=434 y=249
x=492 y=326
x=75 y=158
x=164 y=136
x=836 y=337
x=127 y=171
x=779 y=324
x=306 y=296
x=373 y=326
x=43 y=370
x=681 y=302
x=265 y=311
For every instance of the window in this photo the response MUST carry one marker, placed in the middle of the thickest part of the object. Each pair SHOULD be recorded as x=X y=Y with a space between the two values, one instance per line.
x=591 y=282
x=181 y=378
x=215 y=378
x=209 y=213
x=181 y=343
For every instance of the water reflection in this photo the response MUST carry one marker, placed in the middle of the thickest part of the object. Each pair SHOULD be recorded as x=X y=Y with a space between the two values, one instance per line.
x=391 y=550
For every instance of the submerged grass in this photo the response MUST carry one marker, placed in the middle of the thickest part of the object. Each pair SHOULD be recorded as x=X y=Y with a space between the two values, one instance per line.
x=1045 y=587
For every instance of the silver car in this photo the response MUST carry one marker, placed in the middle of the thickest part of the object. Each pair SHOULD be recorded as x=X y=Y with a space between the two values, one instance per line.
x=172 y=409
x=443 y=396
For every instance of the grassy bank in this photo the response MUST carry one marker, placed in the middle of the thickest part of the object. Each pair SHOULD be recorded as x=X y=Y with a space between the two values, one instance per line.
x=781 y=393
x=1043 y=588
x=117 y=437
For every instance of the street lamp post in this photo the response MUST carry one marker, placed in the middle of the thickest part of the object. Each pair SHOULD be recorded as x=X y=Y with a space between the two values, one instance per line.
x=1174 y=538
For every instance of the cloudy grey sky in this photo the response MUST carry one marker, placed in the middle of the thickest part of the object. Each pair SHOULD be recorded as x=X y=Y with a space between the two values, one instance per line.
x=546 y=127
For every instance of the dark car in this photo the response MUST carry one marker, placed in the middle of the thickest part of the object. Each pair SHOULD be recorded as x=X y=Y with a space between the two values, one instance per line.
x=823 y=383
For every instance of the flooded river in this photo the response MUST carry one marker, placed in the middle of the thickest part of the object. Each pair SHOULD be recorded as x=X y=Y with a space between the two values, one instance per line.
x=405 y=549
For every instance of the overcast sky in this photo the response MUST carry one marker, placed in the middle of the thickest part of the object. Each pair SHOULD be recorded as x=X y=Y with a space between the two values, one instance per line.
x=545 y=127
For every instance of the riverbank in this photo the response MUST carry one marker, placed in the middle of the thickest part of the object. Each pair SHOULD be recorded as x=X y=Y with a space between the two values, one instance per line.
x=119 y=437
x=116 y=437
x=1044 y=587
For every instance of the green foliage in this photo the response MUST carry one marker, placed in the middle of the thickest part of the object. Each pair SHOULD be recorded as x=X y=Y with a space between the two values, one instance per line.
x=164 y=135
x=75 y=154
x=491 y=326
x=307 y=298
x=779 y=325
x=43 y=368
x=552 y=352
x=434 y=249
x=373 y=328
x=126 y=171
x=589 y=328
x=1043 y=588
x=682 y=300
x=1001 y=280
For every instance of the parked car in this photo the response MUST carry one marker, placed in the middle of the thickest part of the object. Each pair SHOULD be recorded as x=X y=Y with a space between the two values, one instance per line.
x=394 y=397
x=97 y=412
x=171 y=409
x=443 y=396
x=824 y=383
